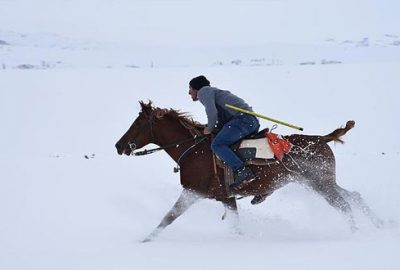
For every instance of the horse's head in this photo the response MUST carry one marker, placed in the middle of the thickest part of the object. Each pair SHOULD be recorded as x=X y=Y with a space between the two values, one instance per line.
x=140 y=132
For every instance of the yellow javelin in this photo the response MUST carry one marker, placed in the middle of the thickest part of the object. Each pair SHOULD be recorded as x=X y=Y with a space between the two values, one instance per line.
x=262 y=116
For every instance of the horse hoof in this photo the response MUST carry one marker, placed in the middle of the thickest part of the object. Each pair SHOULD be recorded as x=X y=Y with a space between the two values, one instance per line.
x=379 y=224
x=237 y=231
x=258 y=199
x=146 y=240
x=354 y=228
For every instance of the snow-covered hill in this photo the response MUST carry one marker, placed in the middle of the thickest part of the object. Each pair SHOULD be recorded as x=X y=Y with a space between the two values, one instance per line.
x=44 y=51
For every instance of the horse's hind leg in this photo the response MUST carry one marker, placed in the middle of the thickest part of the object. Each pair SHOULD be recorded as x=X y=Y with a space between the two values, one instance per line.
x=260 y=198
x=185 y=200
x=335 y=199
x=357 y=200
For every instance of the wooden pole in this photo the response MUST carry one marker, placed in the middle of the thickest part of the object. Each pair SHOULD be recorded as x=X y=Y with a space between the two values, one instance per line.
x=262 y=116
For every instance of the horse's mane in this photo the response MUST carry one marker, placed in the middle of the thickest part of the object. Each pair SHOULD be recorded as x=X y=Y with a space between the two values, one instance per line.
x=184 y=118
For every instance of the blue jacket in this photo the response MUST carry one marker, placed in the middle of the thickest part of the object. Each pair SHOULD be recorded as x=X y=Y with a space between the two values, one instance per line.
x=214 y=101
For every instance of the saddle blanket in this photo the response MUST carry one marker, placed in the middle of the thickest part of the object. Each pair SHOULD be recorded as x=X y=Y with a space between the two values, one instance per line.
x=255 y=148
x=270 y=147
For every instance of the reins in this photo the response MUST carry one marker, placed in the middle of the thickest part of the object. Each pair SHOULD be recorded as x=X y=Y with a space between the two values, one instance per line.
x=177 y=168
x=196 y=140
x=150 y=151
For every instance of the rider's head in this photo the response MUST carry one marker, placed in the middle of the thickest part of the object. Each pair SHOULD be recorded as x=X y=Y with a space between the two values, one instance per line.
x=196 y=84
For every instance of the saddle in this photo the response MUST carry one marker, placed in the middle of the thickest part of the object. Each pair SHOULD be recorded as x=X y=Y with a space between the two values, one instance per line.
x=264 y=145
x=262 y=148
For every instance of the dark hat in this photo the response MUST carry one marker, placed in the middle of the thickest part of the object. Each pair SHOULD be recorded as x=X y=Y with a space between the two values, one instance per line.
x=198 y=82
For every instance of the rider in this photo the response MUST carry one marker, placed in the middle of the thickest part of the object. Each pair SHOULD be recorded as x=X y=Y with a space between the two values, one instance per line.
x=232 y=125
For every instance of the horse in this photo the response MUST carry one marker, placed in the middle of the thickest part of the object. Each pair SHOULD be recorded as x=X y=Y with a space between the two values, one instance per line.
x=310 y=162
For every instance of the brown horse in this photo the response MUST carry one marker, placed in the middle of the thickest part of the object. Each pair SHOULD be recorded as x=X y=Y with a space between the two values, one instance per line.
x=310 y=162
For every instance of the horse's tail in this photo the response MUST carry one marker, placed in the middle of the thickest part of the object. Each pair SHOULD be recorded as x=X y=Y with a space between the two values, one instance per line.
x=335 y=135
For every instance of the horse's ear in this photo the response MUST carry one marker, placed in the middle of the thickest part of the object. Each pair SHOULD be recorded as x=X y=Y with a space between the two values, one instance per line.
x=146 y=108
x=141 y=104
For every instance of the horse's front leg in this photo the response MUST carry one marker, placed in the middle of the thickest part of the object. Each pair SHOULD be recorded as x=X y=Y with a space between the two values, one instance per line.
x=185 y=200
x=231 y=207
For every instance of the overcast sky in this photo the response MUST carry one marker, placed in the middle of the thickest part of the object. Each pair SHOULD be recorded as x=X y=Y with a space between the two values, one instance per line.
x=211 y=23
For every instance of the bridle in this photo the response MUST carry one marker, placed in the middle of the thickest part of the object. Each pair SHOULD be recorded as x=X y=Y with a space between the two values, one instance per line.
x=196 y=139
x=132 y=144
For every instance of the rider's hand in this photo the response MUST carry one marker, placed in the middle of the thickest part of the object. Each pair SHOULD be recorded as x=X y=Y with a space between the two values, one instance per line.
x=206 y=131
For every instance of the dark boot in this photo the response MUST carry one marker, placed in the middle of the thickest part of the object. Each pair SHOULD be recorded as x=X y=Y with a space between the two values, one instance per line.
x=243 y=176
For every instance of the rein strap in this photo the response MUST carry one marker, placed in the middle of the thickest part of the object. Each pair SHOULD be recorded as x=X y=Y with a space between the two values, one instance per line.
x=150 y=151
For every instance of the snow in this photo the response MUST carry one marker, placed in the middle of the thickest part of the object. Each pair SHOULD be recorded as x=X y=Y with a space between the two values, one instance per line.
x=62 y=210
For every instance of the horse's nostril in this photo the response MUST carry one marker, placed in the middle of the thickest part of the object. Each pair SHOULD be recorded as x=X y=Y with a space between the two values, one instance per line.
x=118 y=146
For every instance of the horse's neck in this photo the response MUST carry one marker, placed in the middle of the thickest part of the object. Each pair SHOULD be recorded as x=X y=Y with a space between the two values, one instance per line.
x=175 y=134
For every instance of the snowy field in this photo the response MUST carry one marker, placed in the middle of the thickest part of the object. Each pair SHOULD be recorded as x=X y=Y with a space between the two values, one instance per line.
x=67 y=94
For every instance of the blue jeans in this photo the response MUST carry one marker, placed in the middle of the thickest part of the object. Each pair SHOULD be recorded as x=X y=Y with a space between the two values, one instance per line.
x=237 y=128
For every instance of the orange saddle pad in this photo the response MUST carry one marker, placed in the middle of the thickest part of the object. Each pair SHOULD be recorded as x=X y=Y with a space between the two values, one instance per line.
x=279 y=146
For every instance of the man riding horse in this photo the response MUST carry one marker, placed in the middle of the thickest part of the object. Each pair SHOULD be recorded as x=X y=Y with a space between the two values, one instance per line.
x=232 y=125
x=311 y=162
